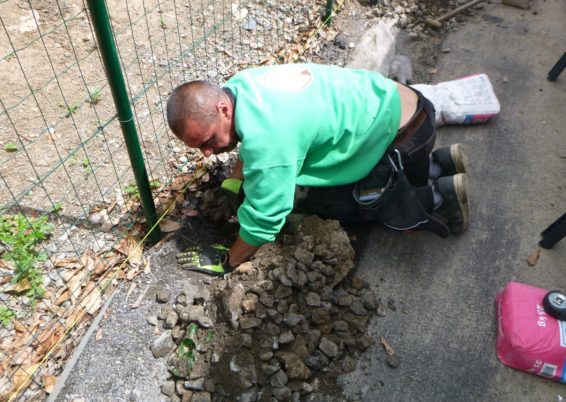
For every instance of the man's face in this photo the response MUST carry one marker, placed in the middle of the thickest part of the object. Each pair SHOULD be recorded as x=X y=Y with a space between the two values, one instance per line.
x=215 y=138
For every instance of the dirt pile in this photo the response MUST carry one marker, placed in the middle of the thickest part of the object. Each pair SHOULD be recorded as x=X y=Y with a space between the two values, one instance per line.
x=278 y=328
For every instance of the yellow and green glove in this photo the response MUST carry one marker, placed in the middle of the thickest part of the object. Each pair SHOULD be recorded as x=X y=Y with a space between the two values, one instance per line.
x=211 y=260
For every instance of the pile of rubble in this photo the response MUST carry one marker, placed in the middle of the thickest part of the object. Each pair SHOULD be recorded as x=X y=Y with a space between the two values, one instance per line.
x=276 y=329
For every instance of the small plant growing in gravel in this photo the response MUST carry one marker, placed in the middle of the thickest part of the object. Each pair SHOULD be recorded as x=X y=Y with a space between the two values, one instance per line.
x=94 y=95
x=187 y=348
x=21 y=236
x=6 y=315
x=71 y=109
x=57 y=207
x=10 y=147
x=133 y=191
x=87 y=166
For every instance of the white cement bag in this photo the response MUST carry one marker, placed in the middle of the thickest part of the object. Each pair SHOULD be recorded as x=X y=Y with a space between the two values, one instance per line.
x=467 y=100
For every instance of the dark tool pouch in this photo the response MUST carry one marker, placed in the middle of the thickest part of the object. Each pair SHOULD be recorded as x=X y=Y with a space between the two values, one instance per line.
x=386 y=195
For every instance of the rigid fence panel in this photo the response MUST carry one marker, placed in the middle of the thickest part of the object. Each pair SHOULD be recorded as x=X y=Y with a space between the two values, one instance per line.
x=70 y=217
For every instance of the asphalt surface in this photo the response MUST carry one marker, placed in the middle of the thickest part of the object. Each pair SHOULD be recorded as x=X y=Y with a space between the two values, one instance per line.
x=444 y=326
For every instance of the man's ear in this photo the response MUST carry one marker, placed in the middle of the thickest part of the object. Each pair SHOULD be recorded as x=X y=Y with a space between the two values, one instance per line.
x=224 y=108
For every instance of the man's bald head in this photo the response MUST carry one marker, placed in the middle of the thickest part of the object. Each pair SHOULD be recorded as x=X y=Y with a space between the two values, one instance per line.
x=194 y=100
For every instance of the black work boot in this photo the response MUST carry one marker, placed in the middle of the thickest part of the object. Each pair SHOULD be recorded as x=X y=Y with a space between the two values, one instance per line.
x=452 y=159
x=454 y=206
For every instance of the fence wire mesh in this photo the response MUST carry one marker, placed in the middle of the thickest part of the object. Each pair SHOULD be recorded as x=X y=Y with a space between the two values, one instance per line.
x=69 y=206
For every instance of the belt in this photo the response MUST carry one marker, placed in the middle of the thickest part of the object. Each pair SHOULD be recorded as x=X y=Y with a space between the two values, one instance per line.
x=410 y=128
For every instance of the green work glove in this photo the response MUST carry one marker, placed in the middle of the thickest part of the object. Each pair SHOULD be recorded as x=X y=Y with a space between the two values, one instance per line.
x=220 y=204
x=211 y=260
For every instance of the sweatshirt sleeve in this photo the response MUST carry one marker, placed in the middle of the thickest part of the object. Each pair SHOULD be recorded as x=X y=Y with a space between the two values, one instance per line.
x=269 y=199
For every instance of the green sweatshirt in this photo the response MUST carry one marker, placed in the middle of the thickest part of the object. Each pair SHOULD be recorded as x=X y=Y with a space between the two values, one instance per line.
x=308 y=125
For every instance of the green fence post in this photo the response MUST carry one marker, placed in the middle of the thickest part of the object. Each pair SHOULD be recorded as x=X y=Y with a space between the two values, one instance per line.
x=328 y=13
x=101 y=24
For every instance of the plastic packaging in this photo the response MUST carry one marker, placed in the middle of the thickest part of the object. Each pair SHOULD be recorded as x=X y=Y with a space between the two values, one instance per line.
x=528 y=338
x=467 y=100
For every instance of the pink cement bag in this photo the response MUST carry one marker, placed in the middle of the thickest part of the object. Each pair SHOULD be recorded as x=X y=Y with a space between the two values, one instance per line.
x=528 y=338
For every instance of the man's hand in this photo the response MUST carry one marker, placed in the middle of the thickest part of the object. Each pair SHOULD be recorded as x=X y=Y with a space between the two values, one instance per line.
x=211 y=260
x=220 y=204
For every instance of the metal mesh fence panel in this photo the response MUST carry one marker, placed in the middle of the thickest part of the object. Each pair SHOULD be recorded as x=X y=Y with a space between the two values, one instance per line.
x=69 y=223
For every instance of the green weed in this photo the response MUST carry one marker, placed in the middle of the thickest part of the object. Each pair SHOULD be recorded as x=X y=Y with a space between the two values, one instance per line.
x=94 y=95
x=71 y=109
x=57 y=207
x=6 y=315
x=87 y=166
x=22 y=236
x=132 y=189
x=10 y=147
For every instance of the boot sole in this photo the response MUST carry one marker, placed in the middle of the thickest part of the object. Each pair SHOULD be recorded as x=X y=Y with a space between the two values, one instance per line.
x=461 y=188
x=458 y=157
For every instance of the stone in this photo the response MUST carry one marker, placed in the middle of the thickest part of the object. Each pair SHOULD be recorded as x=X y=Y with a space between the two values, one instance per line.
x=187 y=395
x=320 y=316
x=249 y=322
x=165 y=310
x=294 y=366
x=231 y=300
x=162 y=345
x=292 y=319
x=168 y=388
x=265 y=356
x=317 y=361
x=209 y=385
x=312 y=339
x=201 y=397
x=368 y=300
x=340 y=326
x=300 y=347
x=345 y=300
x=364 y=342
x=271 y=368
x=279 y=379
x=303 y=256
x=312 y=299
x=392 y=360
x=181 y=299
x=282 y=292
x=152 y=320
x=329 y=348
x=266 y=299
x=281 y=394
x=249 y=395
x=249 y=302
x=162 y=295
x=244 y=365
x=246 y=340
x=282 y=306
x=195 y=385
x=286 y=337
x=177 y=333
x=171 y=320
x=357 y=308
x=272 y=329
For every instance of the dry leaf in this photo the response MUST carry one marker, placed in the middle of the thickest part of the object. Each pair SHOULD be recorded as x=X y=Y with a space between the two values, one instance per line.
x=92 y=302
x=49 y=337
x=75 y=285
x=22 y=377
x=63 y=297
x=99 y=334
x=140 y=297
x=19 y=287
x=72 y=263
x=135 y=252
x=167 y=226
x=387 y=347
x=49 y=382
x=245 y=268
x=5 y=279
x=533 y=258
x=181 y=181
